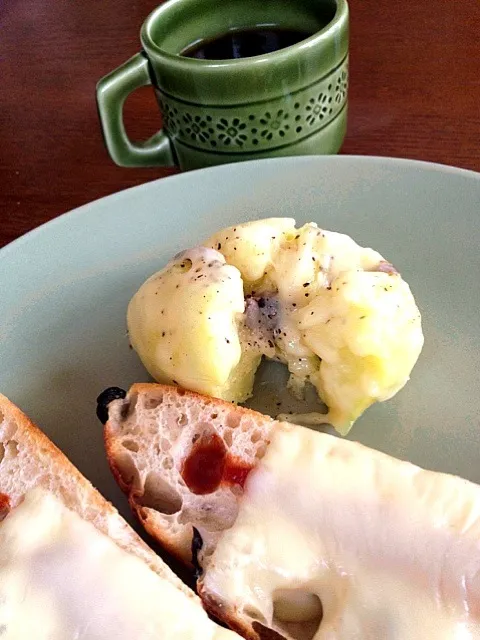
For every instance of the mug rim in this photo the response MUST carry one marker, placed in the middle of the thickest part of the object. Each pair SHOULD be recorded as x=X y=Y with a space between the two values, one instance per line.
x=183 y=62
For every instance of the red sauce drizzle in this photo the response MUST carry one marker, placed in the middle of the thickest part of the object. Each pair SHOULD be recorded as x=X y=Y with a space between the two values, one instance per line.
x=209 y=464
x=4 y=505
x=236 y=471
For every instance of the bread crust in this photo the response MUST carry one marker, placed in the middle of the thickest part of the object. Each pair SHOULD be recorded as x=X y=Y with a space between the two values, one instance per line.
x=149 y=387
x=28 y=435
x=220 y=611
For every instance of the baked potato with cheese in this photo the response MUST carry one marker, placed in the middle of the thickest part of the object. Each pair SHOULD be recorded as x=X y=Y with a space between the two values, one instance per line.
x=338 y=315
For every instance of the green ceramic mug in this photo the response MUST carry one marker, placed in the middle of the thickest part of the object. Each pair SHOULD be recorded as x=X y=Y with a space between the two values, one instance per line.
x=289 y=102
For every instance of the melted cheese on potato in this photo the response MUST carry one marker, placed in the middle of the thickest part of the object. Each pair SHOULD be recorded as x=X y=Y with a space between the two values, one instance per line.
x=335 y=541
x=183 y=323
x=251 y=246
x=367 y=333
x=342 y=317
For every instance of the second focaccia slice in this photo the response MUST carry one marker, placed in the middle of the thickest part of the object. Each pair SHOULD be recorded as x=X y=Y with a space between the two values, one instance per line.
x=70 y=567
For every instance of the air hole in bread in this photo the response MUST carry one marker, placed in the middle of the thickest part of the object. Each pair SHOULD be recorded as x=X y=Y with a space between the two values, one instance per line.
x=159 y=495
x=214 y=416
x=9 y=430
x=233 y=420
x=165 y=444
x=129 y=405
x=227 y=437
x=127 y=469
x=131 y=445
x=182 y=420
x=167 y=463
x=256 y=435
x=125 y=410
x=254 y=614
x=11 y=449
x=2 y=452
x=2 y=417
x=262 y=449
x=298 y=612
x=153 y=403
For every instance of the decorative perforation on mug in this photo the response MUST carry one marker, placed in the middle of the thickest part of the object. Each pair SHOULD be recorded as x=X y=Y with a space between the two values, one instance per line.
x=319 y=107
x=232 y=132
x=256 y=127
x=170 y=116
x=341 y=86
x=198 y=128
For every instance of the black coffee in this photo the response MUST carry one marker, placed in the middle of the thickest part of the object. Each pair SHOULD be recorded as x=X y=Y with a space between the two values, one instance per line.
x=244 y=43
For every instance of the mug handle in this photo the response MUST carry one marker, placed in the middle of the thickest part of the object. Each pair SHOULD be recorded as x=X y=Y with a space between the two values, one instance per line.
x=112 y=91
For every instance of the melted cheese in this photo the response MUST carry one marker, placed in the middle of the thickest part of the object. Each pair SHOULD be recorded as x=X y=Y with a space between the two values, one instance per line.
x=392 y=551
x=183 y=323
x=61 y=579
x=337 y=314
x=347 y=322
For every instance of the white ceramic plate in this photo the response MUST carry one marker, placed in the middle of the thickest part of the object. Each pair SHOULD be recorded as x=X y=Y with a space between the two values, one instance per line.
x=64 y=289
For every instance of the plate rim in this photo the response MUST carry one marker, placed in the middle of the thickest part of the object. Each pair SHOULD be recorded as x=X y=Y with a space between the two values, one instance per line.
x=373 y=160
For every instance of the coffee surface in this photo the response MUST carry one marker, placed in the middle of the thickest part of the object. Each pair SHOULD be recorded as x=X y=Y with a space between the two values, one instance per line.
x=244 y=43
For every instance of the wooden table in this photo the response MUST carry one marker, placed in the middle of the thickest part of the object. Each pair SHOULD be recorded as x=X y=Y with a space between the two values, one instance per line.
x=414 y=93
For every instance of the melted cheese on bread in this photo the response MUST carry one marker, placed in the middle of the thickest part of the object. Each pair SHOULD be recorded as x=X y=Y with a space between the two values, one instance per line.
x=382 y=549
x=61 y=579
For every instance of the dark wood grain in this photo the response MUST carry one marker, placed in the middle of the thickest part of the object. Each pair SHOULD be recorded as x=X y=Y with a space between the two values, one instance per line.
x=414 y=92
